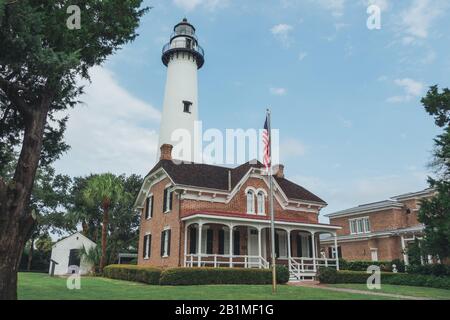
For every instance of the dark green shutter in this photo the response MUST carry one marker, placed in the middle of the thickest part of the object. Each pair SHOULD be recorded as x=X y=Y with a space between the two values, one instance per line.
x=339 y=252
x=162 y=242
x=165 y=201
x=330 y=252
x=221 y=241
x=209 y=241
x=144 y=246
x=168 y=241
x=151 y=207
x=193 y=241
x=236 y=243
x=170 y=201
x=146 y=207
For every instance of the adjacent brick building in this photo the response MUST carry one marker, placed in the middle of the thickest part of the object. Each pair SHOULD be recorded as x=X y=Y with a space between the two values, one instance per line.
x=205 y=215
x=378 y=231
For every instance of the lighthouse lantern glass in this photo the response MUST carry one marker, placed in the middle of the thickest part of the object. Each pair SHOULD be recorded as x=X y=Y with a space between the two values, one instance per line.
x=184 y=29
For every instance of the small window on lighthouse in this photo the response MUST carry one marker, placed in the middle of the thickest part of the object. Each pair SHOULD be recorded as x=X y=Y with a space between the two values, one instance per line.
x=187 y=106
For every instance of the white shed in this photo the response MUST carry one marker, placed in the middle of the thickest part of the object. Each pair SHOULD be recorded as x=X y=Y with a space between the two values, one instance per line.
x=65 y=253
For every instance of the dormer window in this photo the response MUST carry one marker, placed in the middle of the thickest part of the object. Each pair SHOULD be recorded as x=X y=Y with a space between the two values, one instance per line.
x=187 y=106
x=250 y=202
x=261 y=203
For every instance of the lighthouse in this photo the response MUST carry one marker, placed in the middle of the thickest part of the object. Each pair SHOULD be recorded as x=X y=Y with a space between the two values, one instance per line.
x=183 y=57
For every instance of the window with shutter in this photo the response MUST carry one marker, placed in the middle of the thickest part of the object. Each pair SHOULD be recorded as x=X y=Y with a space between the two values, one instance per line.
x=168 y=236
x=236 y=243
x=162 y=242
x=193 y=240
x=149 y=246
x=221 y=241
x=144 y=248
x=165 y=200
x=299 y=246
x=209 y=241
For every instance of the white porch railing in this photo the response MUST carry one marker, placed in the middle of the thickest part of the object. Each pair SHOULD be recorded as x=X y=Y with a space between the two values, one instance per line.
x=302 y=268
x=224 y=260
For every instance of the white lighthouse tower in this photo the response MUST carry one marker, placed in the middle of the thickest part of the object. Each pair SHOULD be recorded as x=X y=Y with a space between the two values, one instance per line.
x=183 y=57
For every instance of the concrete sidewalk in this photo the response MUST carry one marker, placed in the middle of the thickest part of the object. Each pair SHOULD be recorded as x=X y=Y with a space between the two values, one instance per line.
x=316 y=284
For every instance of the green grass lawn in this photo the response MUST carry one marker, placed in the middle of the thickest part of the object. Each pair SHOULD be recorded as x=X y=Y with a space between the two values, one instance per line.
x=41 y=286
x=402 y=290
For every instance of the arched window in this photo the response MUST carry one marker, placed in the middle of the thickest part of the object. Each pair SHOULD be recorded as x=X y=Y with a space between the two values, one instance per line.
x=250 y=201
x=261 y=203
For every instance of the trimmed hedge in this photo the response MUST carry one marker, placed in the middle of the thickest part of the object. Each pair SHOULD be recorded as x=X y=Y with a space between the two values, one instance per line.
x=430 y=269
x=329 y=275
x=363 y=265
x=194 y=276
x=132 y=273
x=202 y=276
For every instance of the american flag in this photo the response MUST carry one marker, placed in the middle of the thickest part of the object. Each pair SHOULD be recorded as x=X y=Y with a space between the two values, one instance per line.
x=266 y=141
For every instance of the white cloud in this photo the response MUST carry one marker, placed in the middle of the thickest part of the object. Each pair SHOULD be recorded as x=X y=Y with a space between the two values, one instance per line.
x=411 y=89
x=336 y=7
x=282 y=33
x=417 y=19
x=382 y=4
x=302 y=55
x=212 y=5
x=111 y=131
x=278 y=91
x=346 y=123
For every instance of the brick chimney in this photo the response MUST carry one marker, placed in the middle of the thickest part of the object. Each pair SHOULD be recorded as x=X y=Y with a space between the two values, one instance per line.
x=279 y=171
x=166 y=152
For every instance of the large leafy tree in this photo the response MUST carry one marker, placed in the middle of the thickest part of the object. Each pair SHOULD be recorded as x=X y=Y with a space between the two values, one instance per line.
x=40 y=62
x=104 y=191
x=435 y=213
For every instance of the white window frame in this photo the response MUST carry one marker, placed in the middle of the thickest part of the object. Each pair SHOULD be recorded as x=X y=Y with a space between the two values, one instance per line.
x=168 y=203
x=166 y=242
x=147 y=246
x=147 y=213
x=261 y=203
x=250 y=192
x=359 y=225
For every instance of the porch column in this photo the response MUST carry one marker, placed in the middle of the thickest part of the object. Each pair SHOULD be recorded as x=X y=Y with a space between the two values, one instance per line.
x=231 y=246
x=288 y=234
x=185 y=242
x=259 y=246
x=336 y=251
x=405 y=255
x=199 y=245
x=313 y=240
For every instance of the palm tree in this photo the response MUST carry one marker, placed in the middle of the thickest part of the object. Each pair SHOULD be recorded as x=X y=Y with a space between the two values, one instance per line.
x=103 y=190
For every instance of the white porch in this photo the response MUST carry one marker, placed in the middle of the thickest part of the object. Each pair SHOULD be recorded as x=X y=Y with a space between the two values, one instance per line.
x=221 y=241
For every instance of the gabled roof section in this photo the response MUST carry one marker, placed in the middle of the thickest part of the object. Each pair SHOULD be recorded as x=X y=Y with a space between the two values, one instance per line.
x=225 y=179
x=295 y=191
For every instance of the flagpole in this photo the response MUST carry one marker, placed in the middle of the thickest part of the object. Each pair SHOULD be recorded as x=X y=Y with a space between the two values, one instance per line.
x=272 y=219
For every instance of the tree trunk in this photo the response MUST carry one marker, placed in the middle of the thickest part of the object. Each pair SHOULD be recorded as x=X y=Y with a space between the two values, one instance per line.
x=16 y=221
x=30 y=254
x=104 y=234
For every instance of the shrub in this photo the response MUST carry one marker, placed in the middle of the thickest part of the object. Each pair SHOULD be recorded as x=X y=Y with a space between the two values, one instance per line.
x=328 y=275
x=430 y=269
x=202 y=276
x=363 y=265
x=132 y=273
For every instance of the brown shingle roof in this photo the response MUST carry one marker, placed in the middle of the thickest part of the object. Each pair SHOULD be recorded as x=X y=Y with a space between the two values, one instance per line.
x=216 y=177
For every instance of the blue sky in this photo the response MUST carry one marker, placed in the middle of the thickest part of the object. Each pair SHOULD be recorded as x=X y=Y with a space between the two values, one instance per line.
x=345 y=98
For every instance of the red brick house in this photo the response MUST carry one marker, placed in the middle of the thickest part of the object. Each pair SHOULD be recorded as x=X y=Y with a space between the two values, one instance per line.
x=204 y=215
x=378 y=231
